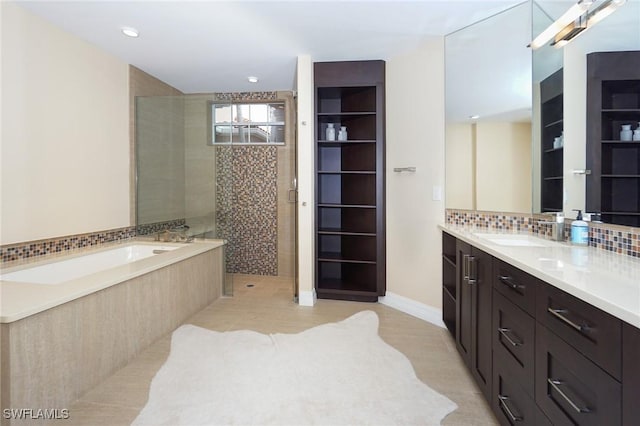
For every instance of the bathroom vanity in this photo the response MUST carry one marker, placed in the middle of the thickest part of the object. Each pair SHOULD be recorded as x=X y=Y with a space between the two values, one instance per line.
x=550 y=332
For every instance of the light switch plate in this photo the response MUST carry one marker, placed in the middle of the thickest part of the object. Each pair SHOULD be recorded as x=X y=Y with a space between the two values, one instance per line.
x=437 y=193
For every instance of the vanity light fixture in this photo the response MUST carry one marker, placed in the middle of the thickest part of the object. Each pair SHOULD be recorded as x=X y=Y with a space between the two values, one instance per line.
x=603 y=10
x=130 y=32
x=252 y=79
x=561 y=23
x=474 y=117
x=582 y=19
x=586 y=21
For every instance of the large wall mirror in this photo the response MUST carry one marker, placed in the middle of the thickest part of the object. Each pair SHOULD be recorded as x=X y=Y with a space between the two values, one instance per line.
x=494 y=163
x=595 y=94
x=488 y=114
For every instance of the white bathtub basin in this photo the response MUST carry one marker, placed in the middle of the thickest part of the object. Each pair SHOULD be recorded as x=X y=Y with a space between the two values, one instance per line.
x=80 y=266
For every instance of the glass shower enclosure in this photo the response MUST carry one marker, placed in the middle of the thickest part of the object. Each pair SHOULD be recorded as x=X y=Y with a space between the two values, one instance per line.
x=178 y=174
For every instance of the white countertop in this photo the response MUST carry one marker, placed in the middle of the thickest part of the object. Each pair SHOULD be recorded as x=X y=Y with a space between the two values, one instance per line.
x=19 y=300
x=604 y=279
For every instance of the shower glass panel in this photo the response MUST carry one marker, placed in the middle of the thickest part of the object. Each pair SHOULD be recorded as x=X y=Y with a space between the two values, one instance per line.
x=179 y=176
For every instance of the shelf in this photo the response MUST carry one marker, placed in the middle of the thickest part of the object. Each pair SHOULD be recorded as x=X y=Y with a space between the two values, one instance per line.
x=336 y=258
x=547 y=151
x=450 y=259
x=351 y=206
x=621 y=213
x=551 y=209
x=554 y=123
x=630 y=144
x=448 y=293
x=347 y=142
x=343 y=114
x=338 y=231
x=623 y=110
x=616 y=176
x=553 y=178
x=345 y=172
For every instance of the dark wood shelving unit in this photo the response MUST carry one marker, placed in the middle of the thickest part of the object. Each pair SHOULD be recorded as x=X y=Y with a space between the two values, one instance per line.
x=449 y=274
x=551 y=98
x=613 y=99
x=350 y=234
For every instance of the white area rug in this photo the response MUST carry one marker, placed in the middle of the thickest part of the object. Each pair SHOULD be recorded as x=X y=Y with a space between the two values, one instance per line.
x=334 y=374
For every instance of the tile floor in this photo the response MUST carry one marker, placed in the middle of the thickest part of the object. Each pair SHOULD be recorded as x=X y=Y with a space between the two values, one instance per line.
x=267 y=307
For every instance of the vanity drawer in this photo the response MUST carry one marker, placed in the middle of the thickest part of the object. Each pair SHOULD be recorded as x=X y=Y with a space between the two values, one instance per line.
x=569 y=388
x=513 y=340
x=516 y=285
x=596 y=334
x=511 y=403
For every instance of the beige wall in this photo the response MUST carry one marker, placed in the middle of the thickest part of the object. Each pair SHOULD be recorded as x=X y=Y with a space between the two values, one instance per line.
x=503 y=166
x=489 y=166
x=415 y=137
x=460 y=166
x=65 y=136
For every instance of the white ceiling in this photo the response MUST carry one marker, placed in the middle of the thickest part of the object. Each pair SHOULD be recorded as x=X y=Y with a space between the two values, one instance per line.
x=213 y=46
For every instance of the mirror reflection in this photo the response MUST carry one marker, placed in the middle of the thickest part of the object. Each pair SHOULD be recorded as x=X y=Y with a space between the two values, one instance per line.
x=600 y=90
x=488 y=114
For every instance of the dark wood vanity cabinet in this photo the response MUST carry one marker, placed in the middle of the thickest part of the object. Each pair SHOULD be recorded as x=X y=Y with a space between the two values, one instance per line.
x=540 y=355
x=631 y=375
x=473 y=316
x=349 y=173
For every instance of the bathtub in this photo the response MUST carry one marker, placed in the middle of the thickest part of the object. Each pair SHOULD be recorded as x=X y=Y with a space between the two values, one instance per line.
x=29 y=289
x=77 y=267
x=65 y=328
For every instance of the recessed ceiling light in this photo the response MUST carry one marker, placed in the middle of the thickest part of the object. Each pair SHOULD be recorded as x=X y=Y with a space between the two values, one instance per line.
x=129 y=32
x=252 y=79
x=474 y=117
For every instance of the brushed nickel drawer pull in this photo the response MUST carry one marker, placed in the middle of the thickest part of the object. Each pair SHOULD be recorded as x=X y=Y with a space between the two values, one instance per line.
x=465 y=266
x=472 y=270
x=504 y=332
x=503 y=401
x=556 y=385
x=558 y=313
x=508 y=281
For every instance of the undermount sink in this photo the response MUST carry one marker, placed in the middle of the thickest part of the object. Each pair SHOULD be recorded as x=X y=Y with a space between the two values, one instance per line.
x=515 y=240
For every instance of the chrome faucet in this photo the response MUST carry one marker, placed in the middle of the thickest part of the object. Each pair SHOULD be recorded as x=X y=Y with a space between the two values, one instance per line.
x=175 y=234
x=557 y=225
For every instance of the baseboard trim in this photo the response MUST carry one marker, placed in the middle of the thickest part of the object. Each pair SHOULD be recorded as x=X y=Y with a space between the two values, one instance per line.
x=307 y=298
x=411 y=307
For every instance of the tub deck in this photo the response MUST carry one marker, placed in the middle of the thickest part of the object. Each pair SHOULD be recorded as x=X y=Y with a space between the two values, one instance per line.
x=59 y=341
x=20 y=299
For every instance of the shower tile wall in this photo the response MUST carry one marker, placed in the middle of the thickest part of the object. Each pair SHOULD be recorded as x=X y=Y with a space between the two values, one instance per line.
x=246 y=207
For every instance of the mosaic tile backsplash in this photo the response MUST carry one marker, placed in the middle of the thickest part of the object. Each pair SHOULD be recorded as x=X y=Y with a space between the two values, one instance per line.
x=31 y=249
x=614 y=238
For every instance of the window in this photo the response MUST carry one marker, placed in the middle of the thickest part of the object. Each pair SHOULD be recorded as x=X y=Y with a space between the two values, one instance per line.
x=248 y=124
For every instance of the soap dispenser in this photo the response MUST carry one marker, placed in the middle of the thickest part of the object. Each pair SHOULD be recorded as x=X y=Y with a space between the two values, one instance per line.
x=579 y=231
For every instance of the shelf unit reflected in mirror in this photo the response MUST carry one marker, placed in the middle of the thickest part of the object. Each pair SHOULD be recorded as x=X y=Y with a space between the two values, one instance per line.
x=613 y=100
x=552 y=155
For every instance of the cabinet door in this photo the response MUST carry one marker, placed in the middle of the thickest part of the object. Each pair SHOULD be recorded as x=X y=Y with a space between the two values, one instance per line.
x=631 y=375
x=463 y=302
x=569 y=388
x=481 y=342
